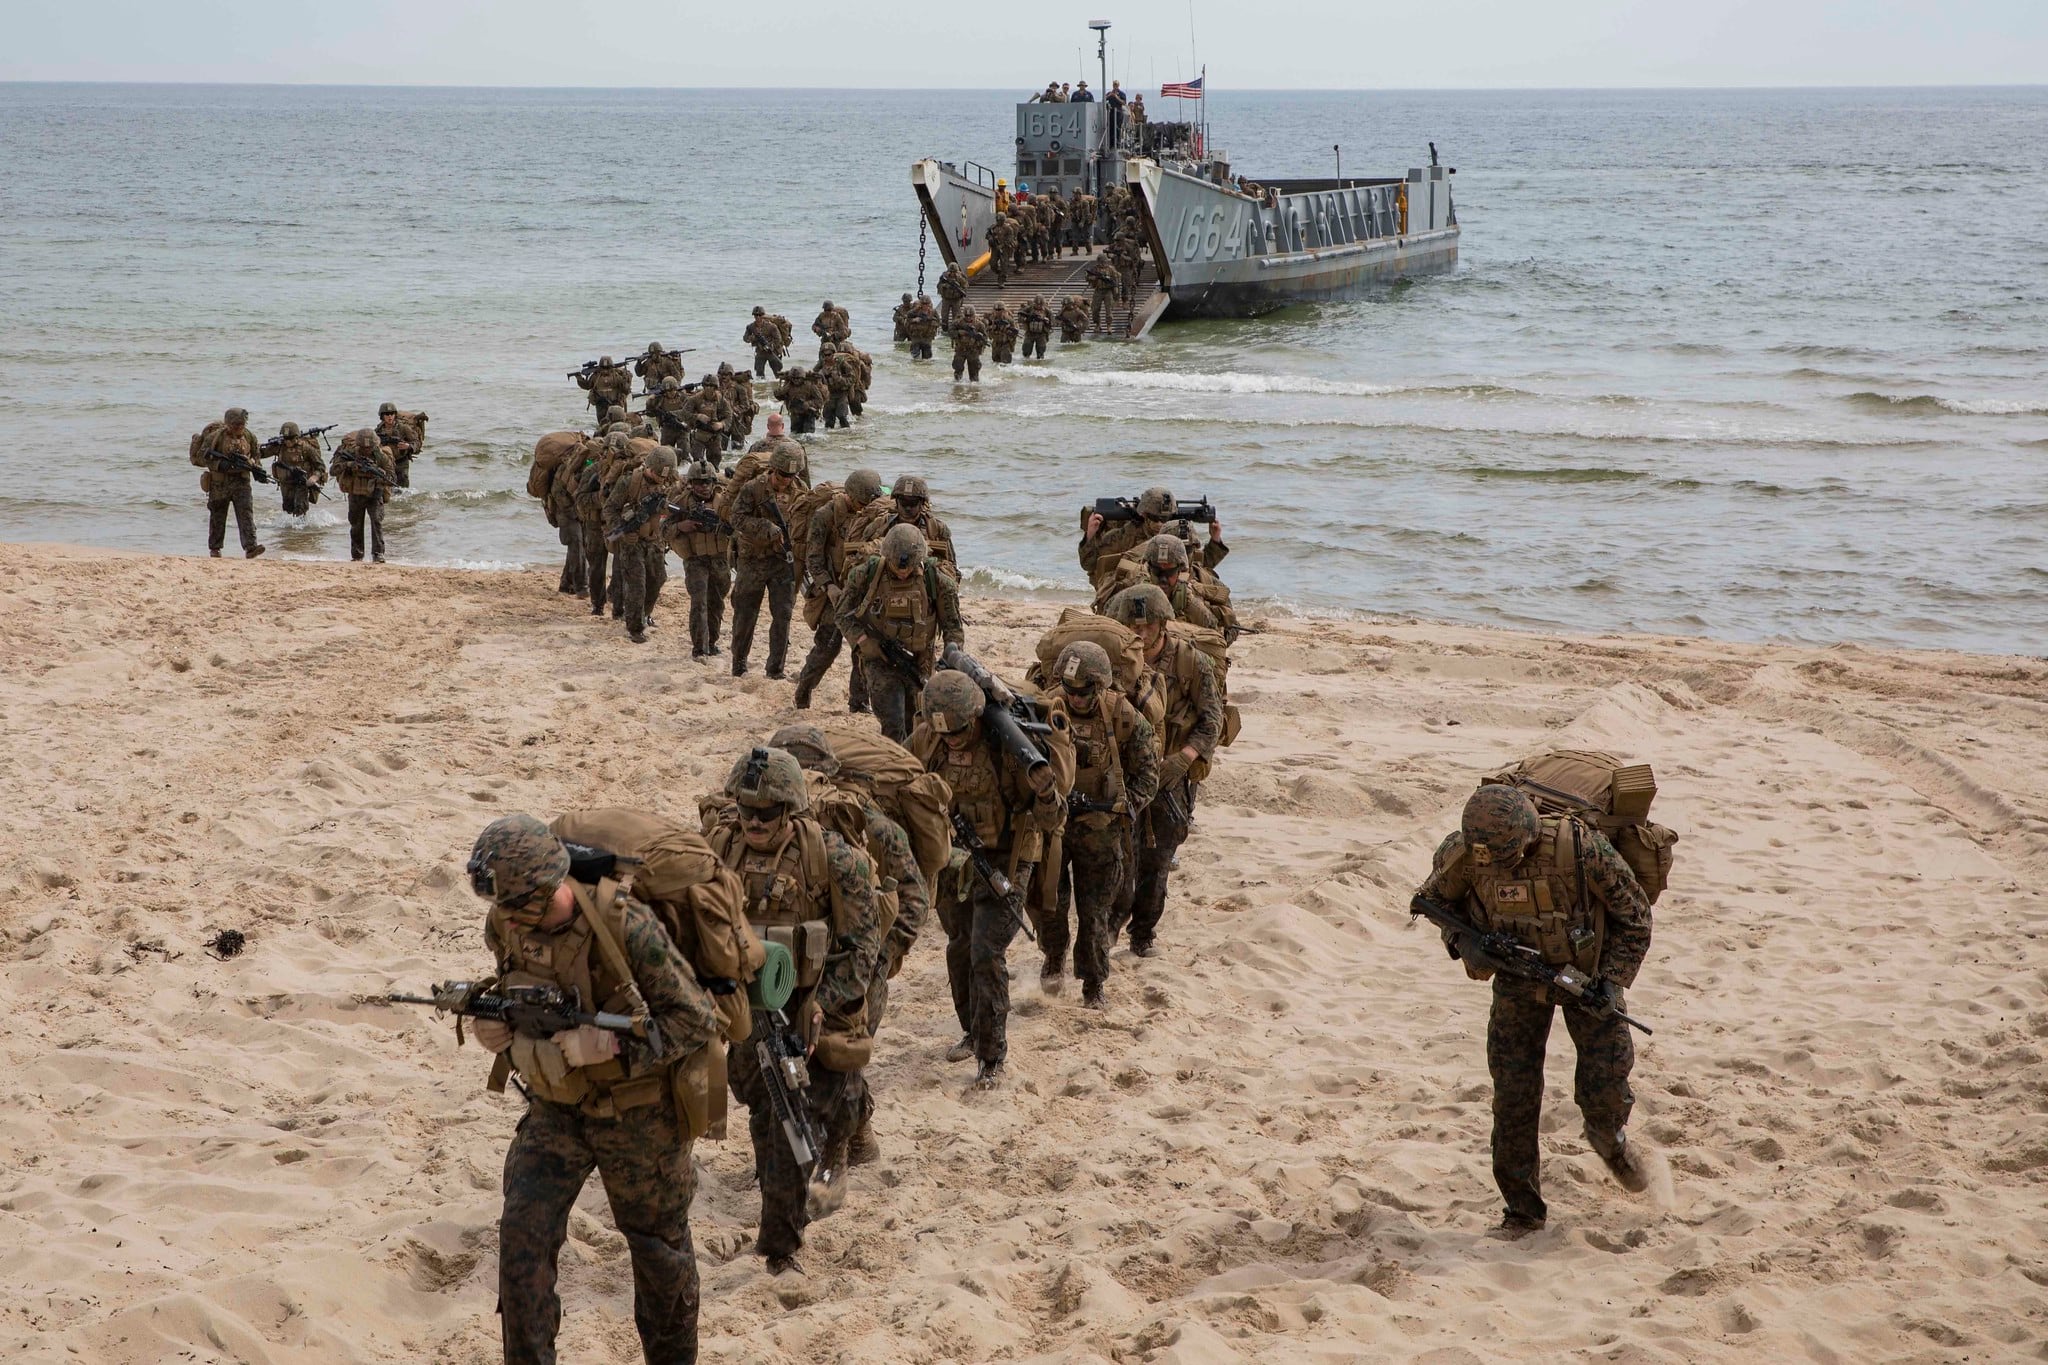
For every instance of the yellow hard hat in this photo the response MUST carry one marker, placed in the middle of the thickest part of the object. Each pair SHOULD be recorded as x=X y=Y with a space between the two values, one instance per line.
x=1001 y=181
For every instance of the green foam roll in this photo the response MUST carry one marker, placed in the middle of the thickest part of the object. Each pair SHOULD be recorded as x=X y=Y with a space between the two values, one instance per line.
x=776 y=981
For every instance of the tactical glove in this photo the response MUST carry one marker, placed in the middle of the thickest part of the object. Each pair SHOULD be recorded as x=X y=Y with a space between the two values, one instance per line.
x=491 y=1035
x=587 y=1045
x=1174 y=769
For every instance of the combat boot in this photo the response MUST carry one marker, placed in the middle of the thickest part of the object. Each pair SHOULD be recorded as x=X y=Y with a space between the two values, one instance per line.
x=255 y=550
x=961 y=1050
x=1621 y=1159
x=990 y=1076
x=802 y=700
x=1091 y=995
x=864 y=1150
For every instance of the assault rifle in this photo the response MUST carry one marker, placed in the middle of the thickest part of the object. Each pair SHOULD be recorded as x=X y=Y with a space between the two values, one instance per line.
x=1010 y=720
x=977 y=854
x=897 y=655
x=788 y=543
x=1078 y=804
x=705 y=518
x=1113 y=510
x=277 y=442
x=785 y=1075
x=649 y=355
x=635 y=516
x=532 y=1011
x=1510 y=957
x=359 y=462
x=240 y=464
x=591 y=366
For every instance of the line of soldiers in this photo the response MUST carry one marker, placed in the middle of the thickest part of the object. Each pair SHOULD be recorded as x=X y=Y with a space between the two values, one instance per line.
x=366 y=465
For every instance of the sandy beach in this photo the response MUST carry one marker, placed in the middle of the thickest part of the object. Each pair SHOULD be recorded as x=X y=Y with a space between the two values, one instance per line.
x=1272 y=1147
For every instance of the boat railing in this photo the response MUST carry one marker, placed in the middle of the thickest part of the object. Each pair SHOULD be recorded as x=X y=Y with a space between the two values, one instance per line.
x=978 y=173
x=1318 y=219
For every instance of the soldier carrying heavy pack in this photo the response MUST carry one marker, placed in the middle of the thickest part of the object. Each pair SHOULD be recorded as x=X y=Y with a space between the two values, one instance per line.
x=1073 y=319
x=605 y=384
x=952 y=289
x=363 y=469
x=298 y=467
x=1193 y=728
x=593 y=1100
x=1555 y=888
x=403 y=435
x=1002 y=334
x=830 y=327
x=1104 y=542
x=768 y=334
x=1007 y=799
x=969 y=341
x=801 y=398
x=810 y=891
x=657 y=364
x=767 y=567
x=899 y=318
x=635 y=512
x=708 y=417
x=828 y=556
x=1036 y=320
x=921 y=324
x=226 y=452
x=895 y=611
x=910 y=502
x=703 y=542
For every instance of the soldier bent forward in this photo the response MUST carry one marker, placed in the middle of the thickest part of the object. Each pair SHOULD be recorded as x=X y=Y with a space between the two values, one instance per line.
x=827 y=558
x=895 y=611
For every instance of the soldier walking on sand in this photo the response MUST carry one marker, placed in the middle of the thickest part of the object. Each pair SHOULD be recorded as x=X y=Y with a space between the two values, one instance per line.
x=228 y=452
x=363 y=469
x=1557 y=886
x=593 y=1100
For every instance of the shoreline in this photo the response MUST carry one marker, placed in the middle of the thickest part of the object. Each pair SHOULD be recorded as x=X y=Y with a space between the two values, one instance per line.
x=1273 y=1144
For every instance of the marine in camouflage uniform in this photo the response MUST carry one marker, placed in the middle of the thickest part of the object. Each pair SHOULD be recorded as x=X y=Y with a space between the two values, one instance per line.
x=899 y=595
x=401 y=440
x=800 y=399
x=1073 y=319
x=1002 y=335
x=766 y=338
x=703 y=543
x=760 y=521
x=299 y=469
x=658 y=364
x=635 y=511
x=1081 y=214
x=667 y=406
x=1036 y=319
x=1194 y=726
x=899 y=318
x=594 y=1102
x=922 y=325
x=1503 y=862
x=606 y=385
x=1001 y=239
x=709 y=417
x=745 y=407
x=901 y=886
x=830 y=327
x=952 y=289
x=1012 y=813
x=362 y=469
x=778 y=438
x=796 y=871
x=561 y=507
x=841 y=374
x=827 y=556
x=227 y=482
x=1116 y=772
x=1107 y=283
x=589 y=462
x=969 y=341
x=1104 y=543
x=909 y=504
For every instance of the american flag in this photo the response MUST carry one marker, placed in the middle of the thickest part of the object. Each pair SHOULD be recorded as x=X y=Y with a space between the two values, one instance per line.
x=1182 y=90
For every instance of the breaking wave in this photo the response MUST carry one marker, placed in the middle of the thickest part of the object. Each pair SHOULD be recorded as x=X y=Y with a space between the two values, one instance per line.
x=1928 y=404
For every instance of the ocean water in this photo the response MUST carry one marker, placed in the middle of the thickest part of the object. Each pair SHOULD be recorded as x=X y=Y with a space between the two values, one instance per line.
x=1750 y=364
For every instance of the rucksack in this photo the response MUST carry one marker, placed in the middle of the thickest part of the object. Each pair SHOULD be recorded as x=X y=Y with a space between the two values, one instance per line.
x=698 y=900
x=783 y=328
x=199 y=440
x=913 y=798
x=1611 y=796
x=548 y=453
x=807 y=503
x=1211 y=643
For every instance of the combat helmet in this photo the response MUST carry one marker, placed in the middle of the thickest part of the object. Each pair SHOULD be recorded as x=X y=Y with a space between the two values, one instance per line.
x=662 y=460
x=725 y=369
x=1166 y=552
x=700 y=471
x=517 y=862
x=809 y=746
x=234 y=415
x=1140 y=605
x=905 y=548
x=783 y=460
x=1083 y=666
x=1500 y=823
x=671 y=384
x=910 y=486
x=1156 y=503
x=906 y=298
x=288 y=430
x=952 y=701
x=387 y=409
x=863 y=486
x=654 y=348
x=615 y=413
x=604 y=362
x=759 y=311
x=769 y=777
x=825 y=307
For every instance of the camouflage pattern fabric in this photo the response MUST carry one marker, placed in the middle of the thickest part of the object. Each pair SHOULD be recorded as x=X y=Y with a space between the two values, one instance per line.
x=1516 y=1034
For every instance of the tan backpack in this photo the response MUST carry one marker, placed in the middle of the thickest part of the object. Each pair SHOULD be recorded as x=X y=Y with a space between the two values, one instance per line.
x=913 y=798
x=783 y=328
x=1611 y=796
x=1211 y=643
x=807 y=504
x=200 y=439
x=548 y=453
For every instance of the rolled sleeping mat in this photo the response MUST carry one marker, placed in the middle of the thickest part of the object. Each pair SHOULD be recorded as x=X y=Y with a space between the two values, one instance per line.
x=776 y=981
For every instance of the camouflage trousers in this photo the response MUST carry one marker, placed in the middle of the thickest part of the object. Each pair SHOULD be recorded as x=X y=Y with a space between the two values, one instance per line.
x=920 y=348
x=765 y=361
x=364 y=507
x=892 y=696
x=1091 y=875
x=802 y=421
x=1516 y=1034
x=836 y=1100
x=1105 y=305
x=1163 y=830
x=968 y=364
x=641 y=569
x=707 y=578
x=1034 y=345
x=758 y=578
x=825 y=646
x=1002 y=352
x=571 y=534
x=592 y=534
x=979 y=925
x=837 y=410
x=296 y=495
x=644 y=1163
x=237 y=496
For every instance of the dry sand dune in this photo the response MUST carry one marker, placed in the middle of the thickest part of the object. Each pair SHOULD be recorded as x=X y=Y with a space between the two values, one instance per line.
x=1273 y=1146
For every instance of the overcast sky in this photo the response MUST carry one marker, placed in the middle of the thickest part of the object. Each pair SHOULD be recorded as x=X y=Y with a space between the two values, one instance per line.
x=1270 y=44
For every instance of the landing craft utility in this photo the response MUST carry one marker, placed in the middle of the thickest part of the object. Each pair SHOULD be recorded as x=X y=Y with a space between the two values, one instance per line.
x=1202 y=241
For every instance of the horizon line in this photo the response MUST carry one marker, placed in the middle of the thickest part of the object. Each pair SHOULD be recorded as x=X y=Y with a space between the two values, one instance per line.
x=981 y=89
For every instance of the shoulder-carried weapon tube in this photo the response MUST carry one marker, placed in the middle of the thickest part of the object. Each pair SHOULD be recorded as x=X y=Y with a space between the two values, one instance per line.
x=1009 y=719
x=1126 y=509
